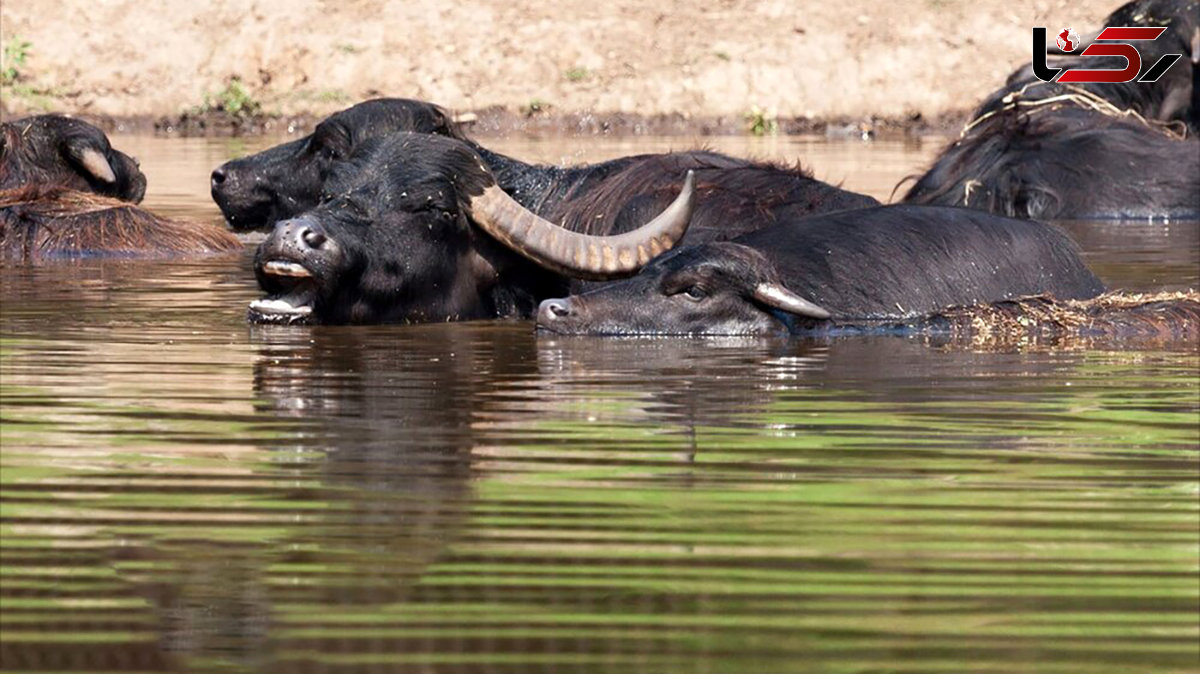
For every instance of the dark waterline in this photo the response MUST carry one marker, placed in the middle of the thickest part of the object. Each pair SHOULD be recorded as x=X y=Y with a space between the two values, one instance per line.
x=185 y=492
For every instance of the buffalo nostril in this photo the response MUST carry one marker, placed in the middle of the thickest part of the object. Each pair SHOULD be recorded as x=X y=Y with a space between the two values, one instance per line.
x=218 y=177
x=556 y=308
x=312 y=237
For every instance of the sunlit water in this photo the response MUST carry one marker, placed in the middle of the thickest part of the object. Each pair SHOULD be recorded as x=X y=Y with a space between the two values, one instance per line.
x=184 y=492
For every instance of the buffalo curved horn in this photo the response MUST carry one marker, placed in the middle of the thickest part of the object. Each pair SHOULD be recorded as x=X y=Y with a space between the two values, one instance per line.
x=584 y=256
x=95 y=164
x=775 y=295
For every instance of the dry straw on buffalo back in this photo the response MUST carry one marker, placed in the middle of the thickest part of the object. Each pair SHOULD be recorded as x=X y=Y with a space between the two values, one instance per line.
x=1116 y=319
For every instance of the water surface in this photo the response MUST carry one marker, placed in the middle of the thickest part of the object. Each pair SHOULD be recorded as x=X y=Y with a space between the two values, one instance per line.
x=183 y=492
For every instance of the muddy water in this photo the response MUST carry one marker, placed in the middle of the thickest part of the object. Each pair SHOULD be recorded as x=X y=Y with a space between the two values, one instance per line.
x=182 y=492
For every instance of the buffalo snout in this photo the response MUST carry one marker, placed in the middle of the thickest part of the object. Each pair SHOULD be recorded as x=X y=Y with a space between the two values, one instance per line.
x=300 y=238
x=554 y=311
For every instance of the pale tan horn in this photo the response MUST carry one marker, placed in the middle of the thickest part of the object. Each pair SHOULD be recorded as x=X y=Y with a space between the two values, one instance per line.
x=775 y=295
x=578 y=255
x=95 y=164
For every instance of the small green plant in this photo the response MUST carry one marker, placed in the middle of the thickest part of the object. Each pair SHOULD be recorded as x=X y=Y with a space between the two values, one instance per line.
x=332 y=96
x=233 y=99
x=577 y=74
x=724 y=56
x=16 y=52
x=761 y=122
x=534 y=106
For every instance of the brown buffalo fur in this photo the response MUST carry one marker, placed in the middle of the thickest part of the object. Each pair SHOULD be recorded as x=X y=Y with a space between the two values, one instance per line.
x=39 y=221
x=1112 y=318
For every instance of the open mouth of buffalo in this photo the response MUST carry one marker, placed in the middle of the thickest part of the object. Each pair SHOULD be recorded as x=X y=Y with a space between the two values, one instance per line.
x=297 y=291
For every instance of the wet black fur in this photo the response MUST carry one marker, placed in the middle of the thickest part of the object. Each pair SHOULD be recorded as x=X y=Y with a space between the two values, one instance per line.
x=904 y=260
x=1065 y=163
x=47 y=149
x=733 y=195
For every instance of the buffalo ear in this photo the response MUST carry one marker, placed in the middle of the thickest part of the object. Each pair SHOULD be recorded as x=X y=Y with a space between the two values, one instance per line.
x=92 y=161
x=776 y=296
x=332 y=139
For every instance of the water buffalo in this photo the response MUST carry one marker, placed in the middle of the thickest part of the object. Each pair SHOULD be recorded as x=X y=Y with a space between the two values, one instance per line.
x=259 y=190
x=58 y=150
x=404 y=217
x=1065 y=162
x=868 y=267
x=66 y=193
x=1173 y=97
x=285 y=181
x=416 y=229
x=39 y=222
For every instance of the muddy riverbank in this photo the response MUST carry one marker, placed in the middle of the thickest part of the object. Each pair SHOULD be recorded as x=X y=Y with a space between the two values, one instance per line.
x=233 y=67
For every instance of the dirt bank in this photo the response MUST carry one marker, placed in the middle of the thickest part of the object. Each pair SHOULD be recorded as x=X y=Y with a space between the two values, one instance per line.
x=626 y=66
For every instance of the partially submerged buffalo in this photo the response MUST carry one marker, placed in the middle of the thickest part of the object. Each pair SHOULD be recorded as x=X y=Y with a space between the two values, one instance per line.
x=66 y=152
x=285 y=181
x=416 y=229
x=852 y=269
x=66 y=193
x=414 y=243
x=1063 y=161
x=40 y=222
x=259 y=190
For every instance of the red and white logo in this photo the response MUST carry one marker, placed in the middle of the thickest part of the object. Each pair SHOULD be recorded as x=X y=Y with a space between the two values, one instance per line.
x=1068 y=40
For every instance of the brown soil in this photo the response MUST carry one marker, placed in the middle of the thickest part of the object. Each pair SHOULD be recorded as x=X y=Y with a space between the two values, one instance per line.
x=571 y=66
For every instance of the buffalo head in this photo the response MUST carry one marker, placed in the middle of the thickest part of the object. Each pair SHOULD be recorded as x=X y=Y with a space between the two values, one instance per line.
x=66 y=152
x=414 y=228
x=288 y=179
x=719 y=288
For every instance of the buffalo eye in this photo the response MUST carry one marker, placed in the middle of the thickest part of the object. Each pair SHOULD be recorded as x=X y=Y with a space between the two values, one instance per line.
x=694 y=293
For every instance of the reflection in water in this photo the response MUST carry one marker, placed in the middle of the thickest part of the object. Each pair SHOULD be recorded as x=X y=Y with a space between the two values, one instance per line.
x=185 y=492
x=1141 y=256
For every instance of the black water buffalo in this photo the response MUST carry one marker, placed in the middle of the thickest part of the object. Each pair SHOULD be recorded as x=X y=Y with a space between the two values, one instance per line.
x=286 y=180
x=1065 y=162
x=406 y=220
x=1173 y=97
x=58 y=150
x=859 y=268
x=415 y=229
x=45 y=222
